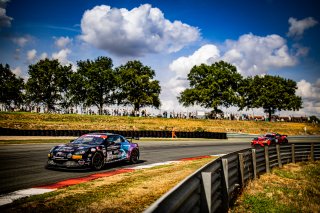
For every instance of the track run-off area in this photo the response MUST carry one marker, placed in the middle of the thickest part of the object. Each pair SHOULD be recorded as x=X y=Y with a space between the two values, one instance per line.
x=22 y=166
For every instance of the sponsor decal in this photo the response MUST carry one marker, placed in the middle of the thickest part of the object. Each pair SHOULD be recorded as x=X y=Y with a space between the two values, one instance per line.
x=81 y=162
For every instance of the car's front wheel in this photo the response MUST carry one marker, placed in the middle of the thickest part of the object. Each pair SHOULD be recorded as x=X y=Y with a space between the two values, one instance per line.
x=134 y=157
x=97 y=161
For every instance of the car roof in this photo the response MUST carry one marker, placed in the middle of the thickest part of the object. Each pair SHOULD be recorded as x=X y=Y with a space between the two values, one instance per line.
x=101 y=133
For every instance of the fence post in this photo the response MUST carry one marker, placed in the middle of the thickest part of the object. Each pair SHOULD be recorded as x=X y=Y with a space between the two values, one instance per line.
x=312 y=152
x=254 y=163
x=266 y=154
x=225 y=185
x=207 y=185
x=241 y=165
x=293 y=154
x=279 y=156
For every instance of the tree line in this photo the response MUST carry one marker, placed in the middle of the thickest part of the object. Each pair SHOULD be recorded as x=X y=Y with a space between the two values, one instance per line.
x=220 y=84
x=94 y=83
x=98 y=83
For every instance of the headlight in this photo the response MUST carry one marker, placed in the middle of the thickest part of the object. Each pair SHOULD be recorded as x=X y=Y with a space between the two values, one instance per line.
x=93 y=149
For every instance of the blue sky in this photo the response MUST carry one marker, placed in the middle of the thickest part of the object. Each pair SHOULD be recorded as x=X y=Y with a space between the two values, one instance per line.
x=258 y=37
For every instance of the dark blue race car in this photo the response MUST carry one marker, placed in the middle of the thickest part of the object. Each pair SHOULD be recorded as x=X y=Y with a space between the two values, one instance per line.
x=93 y=151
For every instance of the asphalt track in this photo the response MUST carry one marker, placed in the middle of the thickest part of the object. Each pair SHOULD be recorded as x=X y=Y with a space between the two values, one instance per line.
x=22 y=166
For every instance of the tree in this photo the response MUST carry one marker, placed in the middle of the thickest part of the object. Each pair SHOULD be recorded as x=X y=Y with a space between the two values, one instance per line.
x=137 y=87
x=212 y=86
x=272 y=93
x=48 y=83
x=11 y=87
x=94 y=83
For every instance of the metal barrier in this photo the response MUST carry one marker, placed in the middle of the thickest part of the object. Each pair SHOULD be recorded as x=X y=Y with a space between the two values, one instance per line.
x=214 y=187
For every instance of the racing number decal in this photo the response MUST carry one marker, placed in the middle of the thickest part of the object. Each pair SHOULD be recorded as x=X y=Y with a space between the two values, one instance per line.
x=109 y=156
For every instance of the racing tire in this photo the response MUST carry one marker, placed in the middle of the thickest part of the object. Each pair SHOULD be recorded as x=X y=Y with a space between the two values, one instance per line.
x=97 y=161
x=134 y=157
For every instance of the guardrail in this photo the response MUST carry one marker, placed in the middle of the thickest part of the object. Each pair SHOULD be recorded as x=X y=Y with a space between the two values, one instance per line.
x=214 y=187
x=140 y=133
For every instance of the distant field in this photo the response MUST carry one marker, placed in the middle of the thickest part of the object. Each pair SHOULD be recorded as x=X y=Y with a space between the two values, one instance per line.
x=99 y=122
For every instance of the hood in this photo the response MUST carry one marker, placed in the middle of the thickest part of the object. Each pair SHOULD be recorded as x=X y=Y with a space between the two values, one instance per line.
x=260 y=138
x=71 y=147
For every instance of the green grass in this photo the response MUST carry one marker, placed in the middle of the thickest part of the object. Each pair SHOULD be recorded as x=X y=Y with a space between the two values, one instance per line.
x=294 y=188
x=36 y=121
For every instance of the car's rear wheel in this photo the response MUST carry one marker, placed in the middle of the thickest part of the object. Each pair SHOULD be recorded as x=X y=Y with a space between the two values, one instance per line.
x=97 y=161
x=134 y=157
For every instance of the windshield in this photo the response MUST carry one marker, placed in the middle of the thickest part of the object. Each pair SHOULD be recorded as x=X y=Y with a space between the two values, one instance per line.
x=90 y=139
x=269 y=135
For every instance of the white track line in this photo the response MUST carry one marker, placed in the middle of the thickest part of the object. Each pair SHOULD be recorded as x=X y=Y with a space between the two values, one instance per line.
x=10 y=197
x=155 y=164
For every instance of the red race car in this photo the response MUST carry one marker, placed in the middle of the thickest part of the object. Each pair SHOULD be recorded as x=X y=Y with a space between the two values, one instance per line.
x=269 y=138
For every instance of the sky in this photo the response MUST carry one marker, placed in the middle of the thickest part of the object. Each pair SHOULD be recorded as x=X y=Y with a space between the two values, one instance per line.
x=275 y=37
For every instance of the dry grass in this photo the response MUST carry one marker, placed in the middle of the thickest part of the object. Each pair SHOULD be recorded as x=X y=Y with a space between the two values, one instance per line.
x=295 y=188
x=129 y=192
x=96 y=122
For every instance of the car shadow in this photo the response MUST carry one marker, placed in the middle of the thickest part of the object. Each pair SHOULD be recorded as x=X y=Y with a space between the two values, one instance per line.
x=109 y=166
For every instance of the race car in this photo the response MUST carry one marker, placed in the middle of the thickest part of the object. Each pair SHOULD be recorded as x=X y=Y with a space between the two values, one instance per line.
x=93 y=150
x=268 y=139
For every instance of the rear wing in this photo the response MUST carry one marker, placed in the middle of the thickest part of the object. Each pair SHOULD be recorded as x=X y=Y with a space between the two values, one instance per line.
x=132 y=138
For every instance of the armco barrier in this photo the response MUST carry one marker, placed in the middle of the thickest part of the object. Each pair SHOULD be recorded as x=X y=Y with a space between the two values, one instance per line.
x=214 y=187
x=142 y=133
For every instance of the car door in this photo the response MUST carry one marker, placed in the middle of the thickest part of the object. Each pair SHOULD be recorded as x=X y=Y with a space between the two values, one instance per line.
x=113 y=146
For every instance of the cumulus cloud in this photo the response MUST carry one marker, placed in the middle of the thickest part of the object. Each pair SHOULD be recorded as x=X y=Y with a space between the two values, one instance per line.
x=297 y=27
x=5 y=21
x=206 y=54
x=21 y=41
x=308 y=90
x=135 y=32
x=31 y=55
x=62 y=42
x=300 y=50
x=43 y=55
x=17 y=71
x=310 y=94
x=253 y=55
x=62 y=56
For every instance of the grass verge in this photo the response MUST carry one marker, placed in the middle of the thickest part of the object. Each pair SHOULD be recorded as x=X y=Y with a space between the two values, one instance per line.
x=36 y=121
x=128 y=192
x=294 y=188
